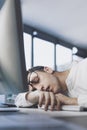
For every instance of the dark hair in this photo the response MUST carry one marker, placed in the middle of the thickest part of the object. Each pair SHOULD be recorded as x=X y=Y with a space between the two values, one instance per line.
x=39 y=68
x=33 y=69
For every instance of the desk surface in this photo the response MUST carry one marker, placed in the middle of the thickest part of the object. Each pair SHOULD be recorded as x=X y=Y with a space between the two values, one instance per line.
x=78 y=118
x=30 y=119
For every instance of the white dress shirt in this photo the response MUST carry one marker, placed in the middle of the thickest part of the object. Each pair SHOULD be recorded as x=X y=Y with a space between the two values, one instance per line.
x=20 y=100
x=77 y=82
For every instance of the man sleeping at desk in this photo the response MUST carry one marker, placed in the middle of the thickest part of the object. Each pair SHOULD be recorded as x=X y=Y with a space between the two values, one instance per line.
x=54 y=88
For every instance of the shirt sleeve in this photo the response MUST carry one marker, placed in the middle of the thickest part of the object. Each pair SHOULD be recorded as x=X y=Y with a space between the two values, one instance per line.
x=82 y=100
x=20 y=100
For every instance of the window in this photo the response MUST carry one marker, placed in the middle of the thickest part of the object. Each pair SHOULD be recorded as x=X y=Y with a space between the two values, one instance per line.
x=27 y=49
x=63 y=57
x=47 y=53
x=43 y=53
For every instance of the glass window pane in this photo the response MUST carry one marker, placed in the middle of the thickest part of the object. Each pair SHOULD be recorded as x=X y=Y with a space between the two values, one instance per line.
x=27 y=49
x=63 y=57
x=43 y=53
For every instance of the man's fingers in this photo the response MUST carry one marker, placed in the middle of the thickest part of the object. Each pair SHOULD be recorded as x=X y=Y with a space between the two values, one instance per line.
x=44 y=98
x=53 y=100
x=41 y=98
x=47 y=100
x=58 y=106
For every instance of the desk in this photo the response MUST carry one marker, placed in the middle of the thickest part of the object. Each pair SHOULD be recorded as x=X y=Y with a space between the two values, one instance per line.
x=78 y=118
x=36 y=119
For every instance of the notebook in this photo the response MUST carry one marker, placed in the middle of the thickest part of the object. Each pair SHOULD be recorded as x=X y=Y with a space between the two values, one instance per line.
x=73 y=108
x=9 y=109
x=69 y=108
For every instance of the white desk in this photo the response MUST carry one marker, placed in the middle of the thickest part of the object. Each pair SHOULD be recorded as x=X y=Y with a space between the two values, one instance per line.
x=37 y=119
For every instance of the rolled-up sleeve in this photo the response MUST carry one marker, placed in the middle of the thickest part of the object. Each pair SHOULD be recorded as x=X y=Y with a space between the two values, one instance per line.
x=20 y=100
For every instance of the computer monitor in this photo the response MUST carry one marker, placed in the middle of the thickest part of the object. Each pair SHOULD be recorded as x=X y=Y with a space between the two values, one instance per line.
x=12 y=59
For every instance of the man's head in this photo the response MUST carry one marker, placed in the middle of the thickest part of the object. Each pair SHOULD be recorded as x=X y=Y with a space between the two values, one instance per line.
x=43 y=78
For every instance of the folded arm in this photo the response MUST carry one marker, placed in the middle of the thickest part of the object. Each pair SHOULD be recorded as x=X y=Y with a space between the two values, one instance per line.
x=46 y=98
x=27 y=99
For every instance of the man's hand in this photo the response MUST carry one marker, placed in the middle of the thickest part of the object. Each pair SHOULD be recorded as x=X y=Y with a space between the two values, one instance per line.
x=41 y=97
x=47 y=98
x=64 y=100
x=55 y=101
x=50 y=99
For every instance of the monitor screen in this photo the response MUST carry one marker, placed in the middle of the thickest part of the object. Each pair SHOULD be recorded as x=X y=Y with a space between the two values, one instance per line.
x=12 y=59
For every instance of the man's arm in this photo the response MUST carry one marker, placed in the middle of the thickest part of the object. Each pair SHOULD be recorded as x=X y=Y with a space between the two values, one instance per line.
x=36 y=97
x=51 y=101
x=26 y=99
x=65 y=100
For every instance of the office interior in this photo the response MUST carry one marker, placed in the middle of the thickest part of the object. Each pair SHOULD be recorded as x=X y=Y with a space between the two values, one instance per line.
x=58 y=26
x=54 y=34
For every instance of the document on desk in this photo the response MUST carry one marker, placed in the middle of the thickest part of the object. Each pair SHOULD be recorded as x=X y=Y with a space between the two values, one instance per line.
x=9 y=109
x=73 y=108
x=68 y=108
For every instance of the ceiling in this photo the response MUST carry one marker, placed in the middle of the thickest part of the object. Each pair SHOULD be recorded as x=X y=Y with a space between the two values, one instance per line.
x=65 y=19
